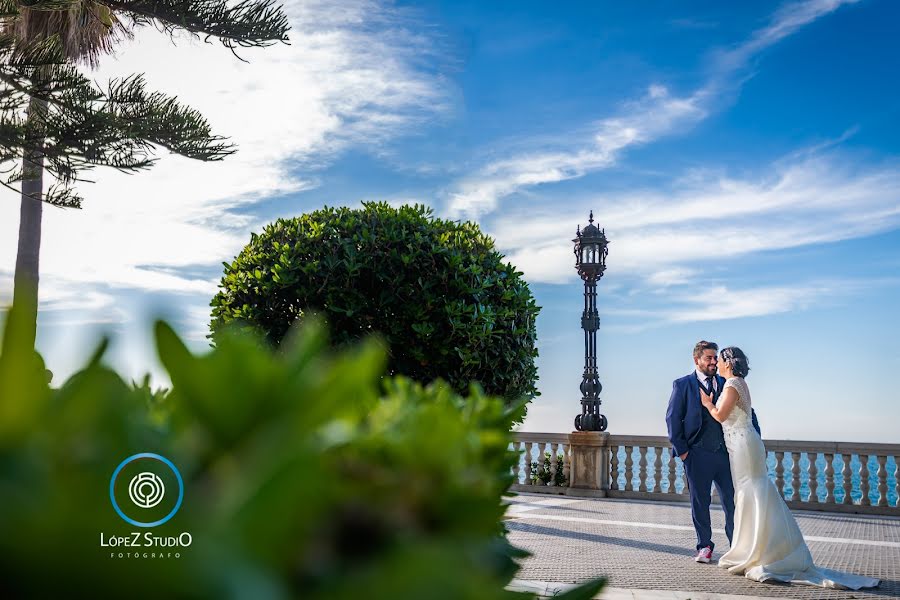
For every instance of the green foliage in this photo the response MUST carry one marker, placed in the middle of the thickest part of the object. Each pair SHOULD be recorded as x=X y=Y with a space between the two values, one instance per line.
x=59 y=120
x=543 y=473
x=305 y=476
x=51 y=109
x=439 y=294
x=248 y=23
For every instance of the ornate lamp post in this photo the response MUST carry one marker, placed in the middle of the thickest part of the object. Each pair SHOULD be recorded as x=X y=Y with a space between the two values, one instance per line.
x=590 y=261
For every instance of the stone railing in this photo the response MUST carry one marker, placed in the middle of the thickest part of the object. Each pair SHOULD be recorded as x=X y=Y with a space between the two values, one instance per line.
x=828 y=476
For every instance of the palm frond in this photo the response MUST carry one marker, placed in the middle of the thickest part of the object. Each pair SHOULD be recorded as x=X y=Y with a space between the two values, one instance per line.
x=87 y=30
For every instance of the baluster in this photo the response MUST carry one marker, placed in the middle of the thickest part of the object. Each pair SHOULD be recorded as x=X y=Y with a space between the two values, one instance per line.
x=795 y=479
x=528 y=480
x=813 y=473
x=673 y=469
x=517 y=469
x=684 y=480
x=896 y=479
x=864 y=479
x=566 y=464
x=614 y=468
x=657 y=470
x=882 y=481
x=629 y=472
x=642 y=469
x=779 y=472
x=553 y=462
x=829 y=479
x=847 y=476
x=542 y=458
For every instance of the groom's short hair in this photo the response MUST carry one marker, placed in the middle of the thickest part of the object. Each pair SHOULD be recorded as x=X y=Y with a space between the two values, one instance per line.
x=704 y=345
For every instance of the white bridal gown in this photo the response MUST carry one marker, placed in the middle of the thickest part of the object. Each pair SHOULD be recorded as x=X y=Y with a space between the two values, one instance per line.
x=767 y=543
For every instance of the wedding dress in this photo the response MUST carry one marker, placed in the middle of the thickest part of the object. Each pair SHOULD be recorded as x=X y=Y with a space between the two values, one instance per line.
x=767 y=543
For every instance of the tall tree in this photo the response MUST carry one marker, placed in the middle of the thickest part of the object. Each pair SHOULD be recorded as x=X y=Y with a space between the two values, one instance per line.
x=54 y=120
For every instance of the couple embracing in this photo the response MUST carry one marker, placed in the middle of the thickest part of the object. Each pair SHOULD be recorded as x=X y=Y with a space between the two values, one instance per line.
x=714 y=430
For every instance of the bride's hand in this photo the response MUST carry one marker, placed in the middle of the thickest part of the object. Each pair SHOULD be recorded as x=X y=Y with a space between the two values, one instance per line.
x=706 y=399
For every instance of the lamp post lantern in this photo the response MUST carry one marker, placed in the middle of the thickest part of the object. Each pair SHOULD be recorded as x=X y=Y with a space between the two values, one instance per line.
x=590 y=262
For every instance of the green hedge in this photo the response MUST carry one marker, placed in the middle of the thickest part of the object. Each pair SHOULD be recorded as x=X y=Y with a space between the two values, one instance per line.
x=437 y=291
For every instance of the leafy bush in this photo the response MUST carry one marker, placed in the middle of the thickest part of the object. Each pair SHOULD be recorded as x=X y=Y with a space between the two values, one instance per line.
x=305 y=475
x=442 y=298
x=541 y=474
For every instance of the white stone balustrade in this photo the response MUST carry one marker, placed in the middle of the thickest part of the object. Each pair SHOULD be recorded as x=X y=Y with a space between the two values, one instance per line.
x=827 y=476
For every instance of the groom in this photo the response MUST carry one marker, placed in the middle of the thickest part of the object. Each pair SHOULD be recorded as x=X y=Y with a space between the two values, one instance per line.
x=698 y=440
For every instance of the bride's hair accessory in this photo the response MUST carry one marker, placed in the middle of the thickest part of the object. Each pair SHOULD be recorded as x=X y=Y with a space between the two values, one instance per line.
x=736 y=358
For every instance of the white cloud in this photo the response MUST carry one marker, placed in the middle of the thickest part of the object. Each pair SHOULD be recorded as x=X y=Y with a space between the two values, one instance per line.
x=672 y=276
x=785 y=21
x=722 y=303
x=653 y=116
x=662 y=235
x=658 y=114
x=354 y=76
x=196 y=321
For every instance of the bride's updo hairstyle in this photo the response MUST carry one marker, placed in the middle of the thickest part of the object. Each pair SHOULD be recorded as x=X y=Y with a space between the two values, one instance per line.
x=736 y=358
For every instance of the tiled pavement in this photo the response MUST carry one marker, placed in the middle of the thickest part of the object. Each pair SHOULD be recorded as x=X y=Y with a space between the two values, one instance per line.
x=643 y=545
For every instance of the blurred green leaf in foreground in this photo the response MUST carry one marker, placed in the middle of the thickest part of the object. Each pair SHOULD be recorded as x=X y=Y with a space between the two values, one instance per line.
x=305 y=476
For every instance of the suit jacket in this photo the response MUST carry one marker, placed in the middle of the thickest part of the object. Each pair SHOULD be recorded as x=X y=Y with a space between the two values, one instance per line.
x=684 y=417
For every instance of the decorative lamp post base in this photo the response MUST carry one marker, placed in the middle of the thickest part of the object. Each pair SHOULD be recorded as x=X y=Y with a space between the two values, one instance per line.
x=591 y=422
x=590 y=464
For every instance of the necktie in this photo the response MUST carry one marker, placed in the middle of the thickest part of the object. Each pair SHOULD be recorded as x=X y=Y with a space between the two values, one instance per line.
x=710 y=389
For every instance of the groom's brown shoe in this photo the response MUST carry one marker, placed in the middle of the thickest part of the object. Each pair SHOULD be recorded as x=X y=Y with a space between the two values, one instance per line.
x=704 y=555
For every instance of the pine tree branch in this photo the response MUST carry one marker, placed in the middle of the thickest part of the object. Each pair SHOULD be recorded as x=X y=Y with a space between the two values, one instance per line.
x=249 y=23
x=58 y=195
x=83 y=126
x=80 y=126
x=161 y=120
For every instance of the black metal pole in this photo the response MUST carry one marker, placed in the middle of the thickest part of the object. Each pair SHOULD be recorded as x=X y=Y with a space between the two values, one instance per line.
x=591 y=269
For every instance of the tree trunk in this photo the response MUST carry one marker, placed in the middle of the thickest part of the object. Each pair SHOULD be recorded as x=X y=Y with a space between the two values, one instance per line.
x=25 y=295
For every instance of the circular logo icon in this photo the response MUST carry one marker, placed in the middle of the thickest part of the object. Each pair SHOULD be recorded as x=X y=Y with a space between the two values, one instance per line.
x=148 y=475
x=146 y=490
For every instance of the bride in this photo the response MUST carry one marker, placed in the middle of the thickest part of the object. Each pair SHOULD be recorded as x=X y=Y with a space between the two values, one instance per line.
x=767 y=543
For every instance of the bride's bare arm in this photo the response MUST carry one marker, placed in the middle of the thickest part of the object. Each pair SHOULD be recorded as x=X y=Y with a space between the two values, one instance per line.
x=725 y=405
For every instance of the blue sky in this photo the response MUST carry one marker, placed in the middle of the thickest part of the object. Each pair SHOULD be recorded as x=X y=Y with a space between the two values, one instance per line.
x=743 y=158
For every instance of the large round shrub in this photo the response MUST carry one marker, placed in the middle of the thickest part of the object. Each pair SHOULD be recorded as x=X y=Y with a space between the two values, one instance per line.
x=437 y=291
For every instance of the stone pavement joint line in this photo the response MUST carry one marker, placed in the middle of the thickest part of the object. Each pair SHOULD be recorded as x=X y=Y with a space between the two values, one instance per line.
x=809 y=538
x=645 y=550
x=546 y=589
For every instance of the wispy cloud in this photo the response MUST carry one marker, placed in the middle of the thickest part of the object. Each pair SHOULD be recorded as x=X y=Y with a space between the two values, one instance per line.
x=356 y=76
x=784 y=22
x=683 y=303
x=666 y=278
x=658 y=114
x=661 y=235
x=722 y=302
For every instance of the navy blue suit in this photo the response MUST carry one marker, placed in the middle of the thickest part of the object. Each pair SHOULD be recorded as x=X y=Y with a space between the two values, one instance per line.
x=693 y=430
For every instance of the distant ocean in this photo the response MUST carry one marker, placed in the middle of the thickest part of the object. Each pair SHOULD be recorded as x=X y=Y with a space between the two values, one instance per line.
x=837 y=465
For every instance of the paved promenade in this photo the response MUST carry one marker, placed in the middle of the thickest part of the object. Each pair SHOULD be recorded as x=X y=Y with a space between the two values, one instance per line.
x=644 y=549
